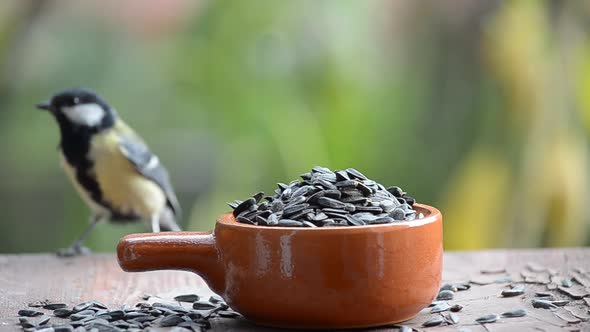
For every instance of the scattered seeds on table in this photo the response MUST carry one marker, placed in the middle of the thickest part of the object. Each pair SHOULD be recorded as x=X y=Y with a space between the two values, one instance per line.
x=63 y=328
x=440 y=307
x=514 y=313
x=53 y=306
x=543 y=304
x=62 y=313
x=433 y=322
x=445 y=295
x=38 y=304
x=171 y=320
x=203 y=305
x=448 y=287
x=228 y=313
x=46 y=329
x=456 y=308
x=189 y=298
x=461 y=286
x=452 y=318
x=43 y=321
x=513 y=292
x=496 y=270
x=29 y=313
x=560 y=303
x=487 y=319
x=95 y=316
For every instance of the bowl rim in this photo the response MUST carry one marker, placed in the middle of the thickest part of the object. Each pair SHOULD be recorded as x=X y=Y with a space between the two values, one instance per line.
x=434 y=215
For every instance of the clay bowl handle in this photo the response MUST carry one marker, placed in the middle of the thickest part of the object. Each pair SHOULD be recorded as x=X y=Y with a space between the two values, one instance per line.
x=188 y=251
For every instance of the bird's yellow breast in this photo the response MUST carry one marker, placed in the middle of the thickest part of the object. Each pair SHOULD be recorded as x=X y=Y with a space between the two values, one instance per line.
x=121 y=185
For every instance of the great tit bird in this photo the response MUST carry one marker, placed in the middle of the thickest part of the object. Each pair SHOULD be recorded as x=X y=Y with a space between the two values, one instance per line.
x=110 y=166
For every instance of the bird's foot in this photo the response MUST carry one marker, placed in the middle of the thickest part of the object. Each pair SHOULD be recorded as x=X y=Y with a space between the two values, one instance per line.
x=73 y=250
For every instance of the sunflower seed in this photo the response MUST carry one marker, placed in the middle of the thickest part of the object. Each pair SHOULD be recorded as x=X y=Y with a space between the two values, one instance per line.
x=514 y=313
x=396 y=191
x=244 y=206
x=353 y=221
x=187 y=298
x=404 y=328
x=433 y=322
x=381 y=220
x=342 y=176
x=228 y=314
x=452 y=318
x=372 y=209
x=357 y=200
x=62 y=313
x=46 y=329
x=560 y=303
x=346 y=184
x=331 y=203
x=53 y=306
x=29 y=313
x=397 y=214
x=567 y=283
x=456 y=308
x=245 y=220
x=513 y=292
x=487 y=319
x=27 y=324
x=258 y=196
x=290 y=223
x=543 y=304
x=355 y=174
x=292 y=209
x=445 y=295
x=171 y=320
x=440 y=307
x=43 y=321
x=320 y=216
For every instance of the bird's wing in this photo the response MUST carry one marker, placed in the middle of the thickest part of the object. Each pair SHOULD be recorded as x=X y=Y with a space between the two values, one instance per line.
x=147 y=164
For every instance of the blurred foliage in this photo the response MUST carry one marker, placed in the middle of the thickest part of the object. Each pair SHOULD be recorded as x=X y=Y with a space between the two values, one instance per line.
x=479 y=108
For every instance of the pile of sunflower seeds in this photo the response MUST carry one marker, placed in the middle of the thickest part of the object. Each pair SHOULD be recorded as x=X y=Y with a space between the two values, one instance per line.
x=326 y=198
x=95 y=316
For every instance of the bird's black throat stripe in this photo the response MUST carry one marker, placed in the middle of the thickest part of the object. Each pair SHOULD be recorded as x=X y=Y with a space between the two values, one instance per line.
x=75 y=145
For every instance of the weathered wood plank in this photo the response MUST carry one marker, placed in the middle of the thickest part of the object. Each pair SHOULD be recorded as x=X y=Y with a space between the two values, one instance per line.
x=29 y=278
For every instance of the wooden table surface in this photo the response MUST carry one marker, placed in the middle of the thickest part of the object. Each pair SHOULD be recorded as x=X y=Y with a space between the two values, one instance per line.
x=29 y=278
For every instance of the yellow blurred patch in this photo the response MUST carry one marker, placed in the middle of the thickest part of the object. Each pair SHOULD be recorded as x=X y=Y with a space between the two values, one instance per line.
x=474 y=204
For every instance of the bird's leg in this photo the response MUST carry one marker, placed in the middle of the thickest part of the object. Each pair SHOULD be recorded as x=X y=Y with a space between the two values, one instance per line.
x=77 y=248
x=155 y=223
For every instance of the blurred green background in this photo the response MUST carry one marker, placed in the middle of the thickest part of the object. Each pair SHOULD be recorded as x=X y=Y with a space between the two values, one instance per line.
x=481 y=108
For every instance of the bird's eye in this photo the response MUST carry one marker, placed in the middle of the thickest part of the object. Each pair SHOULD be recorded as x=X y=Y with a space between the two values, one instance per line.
x=76 y=100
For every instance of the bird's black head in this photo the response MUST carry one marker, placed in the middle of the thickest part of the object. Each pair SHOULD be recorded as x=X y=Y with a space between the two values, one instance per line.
x=79 y=109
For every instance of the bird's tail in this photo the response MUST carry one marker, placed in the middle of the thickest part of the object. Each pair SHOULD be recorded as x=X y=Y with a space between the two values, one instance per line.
x=168 y=221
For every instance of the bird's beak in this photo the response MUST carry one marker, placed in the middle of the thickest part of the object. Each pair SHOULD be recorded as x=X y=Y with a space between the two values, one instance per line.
x=45 y=105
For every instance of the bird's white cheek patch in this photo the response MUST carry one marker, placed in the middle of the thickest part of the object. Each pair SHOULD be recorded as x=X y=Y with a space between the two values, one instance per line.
x=85 y=114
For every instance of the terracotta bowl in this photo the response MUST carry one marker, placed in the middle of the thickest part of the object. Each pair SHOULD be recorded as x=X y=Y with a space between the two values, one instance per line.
x=338 y=277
